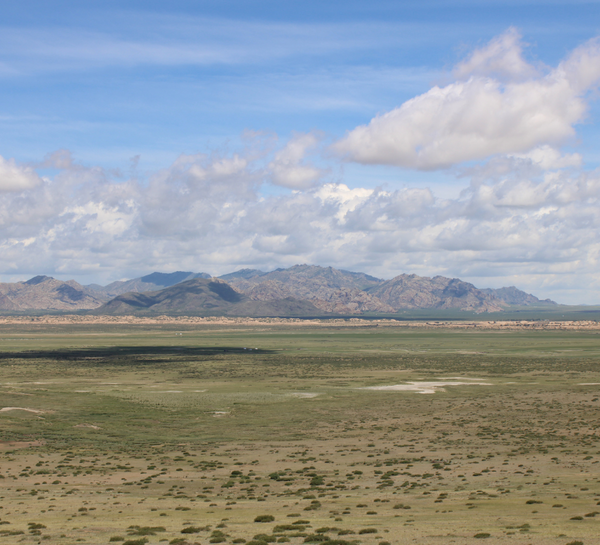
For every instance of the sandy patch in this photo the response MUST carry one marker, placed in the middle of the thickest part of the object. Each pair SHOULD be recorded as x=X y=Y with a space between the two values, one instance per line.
x=461 y=378
x=423 y=387
x=6 y=445
x=218 y=414
x=588 y=384
x=304 y=395
x=7 y=409
x=88 y=426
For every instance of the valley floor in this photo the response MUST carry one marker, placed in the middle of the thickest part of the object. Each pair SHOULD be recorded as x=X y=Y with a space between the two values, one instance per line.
x=204 y=432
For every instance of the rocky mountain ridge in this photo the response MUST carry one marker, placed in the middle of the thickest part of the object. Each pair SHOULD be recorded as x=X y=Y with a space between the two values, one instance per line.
x=151 y=282
x=201 y=296
x=325 y=289
x=46 y=293
x=514 y=296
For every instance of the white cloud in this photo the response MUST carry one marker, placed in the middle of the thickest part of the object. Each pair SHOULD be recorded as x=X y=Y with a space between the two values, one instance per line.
x=14 y=177
x=549 y=158
x=502 y=58
x=536 y=229
x=289 y=169
x=345 y=199
x=482 y=115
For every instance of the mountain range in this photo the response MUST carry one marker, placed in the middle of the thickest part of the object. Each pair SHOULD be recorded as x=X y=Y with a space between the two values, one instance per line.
x=300 y=290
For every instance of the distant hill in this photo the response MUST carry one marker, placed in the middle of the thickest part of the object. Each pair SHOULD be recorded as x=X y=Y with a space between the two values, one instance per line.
x=242 y=274
x=329 y=289
x=47 y=293
x=345 y=292
x=202 y=296
x=151 y=282
x=514 y=296
x=409 y=291
x=298 y=290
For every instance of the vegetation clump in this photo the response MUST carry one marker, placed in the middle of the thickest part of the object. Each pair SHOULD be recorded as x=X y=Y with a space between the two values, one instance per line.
x=264 y=518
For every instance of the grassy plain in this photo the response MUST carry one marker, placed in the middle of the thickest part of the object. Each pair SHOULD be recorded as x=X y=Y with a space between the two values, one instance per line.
x=186 y=433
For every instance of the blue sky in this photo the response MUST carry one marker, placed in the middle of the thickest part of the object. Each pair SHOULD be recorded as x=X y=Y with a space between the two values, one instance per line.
x=452 y=138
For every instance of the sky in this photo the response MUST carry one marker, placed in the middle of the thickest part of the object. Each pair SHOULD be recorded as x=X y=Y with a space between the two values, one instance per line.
x=428 y=137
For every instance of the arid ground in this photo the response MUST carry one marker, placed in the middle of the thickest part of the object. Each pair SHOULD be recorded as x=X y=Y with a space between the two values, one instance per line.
x=124 y=430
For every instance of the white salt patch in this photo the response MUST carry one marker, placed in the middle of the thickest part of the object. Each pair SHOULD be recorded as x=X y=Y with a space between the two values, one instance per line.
x=169 y=392
x=588 y=384
x=6 y=409
x=460 y=378
x=304 y=395
x=423 y=387
x=220 y=413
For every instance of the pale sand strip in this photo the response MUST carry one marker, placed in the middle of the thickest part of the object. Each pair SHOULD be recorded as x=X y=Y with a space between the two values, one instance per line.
x=6 y=409
x=423 y=387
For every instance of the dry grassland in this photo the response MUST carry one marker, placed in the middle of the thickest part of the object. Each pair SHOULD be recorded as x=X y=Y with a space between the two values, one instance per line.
x=226 y=431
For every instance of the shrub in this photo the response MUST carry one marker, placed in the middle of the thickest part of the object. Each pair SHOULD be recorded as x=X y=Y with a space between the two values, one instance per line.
x=192 y=530
x=316 y=538
x=481 y=535
x=264 y=518
x=287 y=527
x=145 y=530
x=265 y=537
x=217 y=537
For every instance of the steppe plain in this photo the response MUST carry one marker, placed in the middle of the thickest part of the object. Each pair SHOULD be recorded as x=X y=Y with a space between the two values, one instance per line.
x=139 y=430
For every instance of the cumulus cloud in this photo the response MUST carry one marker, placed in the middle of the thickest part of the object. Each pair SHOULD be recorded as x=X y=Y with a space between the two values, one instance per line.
x=549 y=158
x=515 y=220
x=14 y=177
x=499 y=105
x=502 y=59
x=289 y=168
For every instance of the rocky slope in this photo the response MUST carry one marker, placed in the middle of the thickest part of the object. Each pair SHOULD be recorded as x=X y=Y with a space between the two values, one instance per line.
x=514 y=296
x=150 y=282
x=329 y=289
x=47 y=293
x=202 y=296
x=344 y=292
x=315 y=289
x=409 y=291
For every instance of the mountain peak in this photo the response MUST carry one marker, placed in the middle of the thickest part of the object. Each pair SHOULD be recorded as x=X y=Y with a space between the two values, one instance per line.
x=38 y=280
